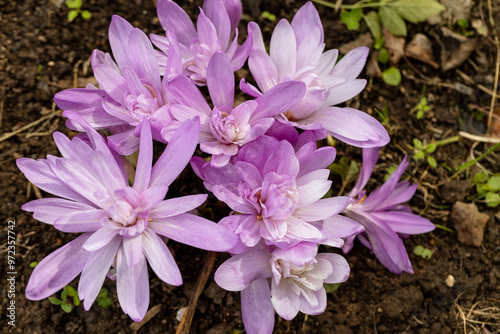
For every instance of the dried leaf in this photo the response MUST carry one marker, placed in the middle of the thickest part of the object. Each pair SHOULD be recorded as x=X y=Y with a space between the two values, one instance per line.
x=420 y=48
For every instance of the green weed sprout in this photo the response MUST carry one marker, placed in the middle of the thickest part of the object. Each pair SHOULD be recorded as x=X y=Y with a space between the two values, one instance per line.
x=423 y=252
x=75 y=6
x=391 y=14
x=488 y=188
x=68 y=291
x=422 y=106
x=422 y=151
x=103 y=299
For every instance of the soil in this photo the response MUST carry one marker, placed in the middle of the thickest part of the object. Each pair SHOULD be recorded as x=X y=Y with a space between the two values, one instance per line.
x=42 y=53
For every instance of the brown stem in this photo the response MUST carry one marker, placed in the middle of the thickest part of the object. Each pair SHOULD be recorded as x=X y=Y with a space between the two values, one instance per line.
x=187 y=318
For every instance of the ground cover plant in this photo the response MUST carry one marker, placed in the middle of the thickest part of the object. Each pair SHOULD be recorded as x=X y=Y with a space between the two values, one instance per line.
x=266 y=147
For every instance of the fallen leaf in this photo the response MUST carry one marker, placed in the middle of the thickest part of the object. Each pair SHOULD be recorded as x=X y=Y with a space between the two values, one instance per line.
x=420 y=48
x=395 y=46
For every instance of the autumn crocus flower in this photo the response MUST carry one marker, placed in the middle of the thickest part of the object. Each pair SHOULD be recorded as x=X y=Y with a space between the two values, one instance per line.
x=225 y=128
x=383 y=215
x=283 y=280
x=122 y=225
x=275 y=192
x=131 y=89
x=216 y=32
x=297 y=53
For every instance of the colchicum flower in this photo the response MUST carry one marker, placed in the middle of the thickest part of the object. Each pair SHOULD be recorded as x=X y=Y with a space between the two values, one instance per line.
x=383 y=215
x=296 y=53
x=286 y=280
x=225 y=128
x=217 y=32
x=132 y=90
x=121 y=225
x=276 y=191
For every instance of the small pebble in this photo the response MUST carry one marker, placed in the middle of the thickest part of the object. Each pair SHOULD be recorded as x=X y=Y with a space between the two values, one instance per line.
x=180 y=313
x=450 y=281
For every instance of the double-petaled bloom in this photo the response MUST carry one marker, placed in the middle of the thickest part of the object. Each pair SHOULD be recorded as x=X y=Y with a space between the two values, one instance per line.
x=283 y=280
x=131 y=89
x=122 y=225
x=216 y=32
x=225 y=128
x=276 y=191
x=384 y=216
x=296 y=53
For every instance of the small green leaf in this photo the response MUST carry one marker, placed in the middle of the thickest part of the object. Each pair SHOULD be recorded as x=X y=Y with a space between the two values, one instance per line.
x=430 y=148
x=463 y=23
x=419 y=114
x=268 y=16
x=417 y=143
x=76 y=300
x=71 y=292
x=494 y=183
x=72 y=15
x=426 y=253
x=492 y=199
x=480 y=177
x=331 y=287
x=416 y=11
x=383 y=56
x=86 y=14
x=392 y=76
x=432 y=162
x=419 y=155
x=74 y=4
x=352 y=18
x=33 y=264
x=66 y=307
x=373 y=23
x=64 y=293
x=352 y=171
x=392 y=21
x=55 y=301
x=418 y=250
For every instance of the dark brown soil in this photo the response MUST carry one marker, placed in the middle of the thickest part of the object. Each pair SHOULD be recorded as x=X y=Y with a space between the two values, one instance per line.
x=41 y=54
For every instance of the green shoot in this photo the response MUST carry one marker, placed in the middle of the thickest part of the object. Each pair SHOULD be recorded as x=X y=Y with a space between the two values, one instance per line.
x=392 y=76
x=346 y=170
x=75 y=6
x=423 y=252
x=487 y=188
x=422 y=106
x=384 y=114
x=352 y=18
x=103 y=299
x=33 y=264
x=66 y=306
x=422 y=151
x=268 y=16
x=331 y=287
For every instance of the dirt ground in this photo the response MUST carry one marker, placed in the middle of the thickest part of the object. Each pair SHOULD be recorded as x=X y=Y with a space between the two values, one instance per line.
x=42 y=53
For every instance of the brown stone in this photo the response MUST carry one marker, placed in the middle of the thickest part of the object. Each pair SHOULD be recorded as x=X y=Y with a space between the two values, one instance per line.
x=469 y=223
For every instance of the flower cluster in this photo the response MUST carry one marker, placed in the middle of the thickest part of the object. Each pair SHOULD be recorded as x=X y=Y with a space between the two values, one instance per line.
x=264 y=163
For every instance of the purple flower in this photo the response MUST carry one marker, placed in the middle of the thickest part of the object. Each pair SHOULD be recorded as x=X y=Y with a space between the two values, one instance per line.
x=131 y=90
x=217 y=32
x=286 y=280
x=296 y=53
x=121 y=225
x=225 y=128
x=276 y=192
x=384 y=217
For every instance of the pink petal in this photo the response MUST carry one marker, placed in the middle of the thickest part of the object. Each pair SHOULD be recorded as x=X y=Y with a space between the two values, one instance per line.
x=285 y=301
x=145 y=159
x=132 y=286
x=173 y=17
x=95 y=271
x=175 y=206
x=177 y=154
x=57 y=269
x=241 y=270
x=220 y=80
x=195 y=231
x=283 y=48
x=47 y=210
x=256 y=308
x=160 y=258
